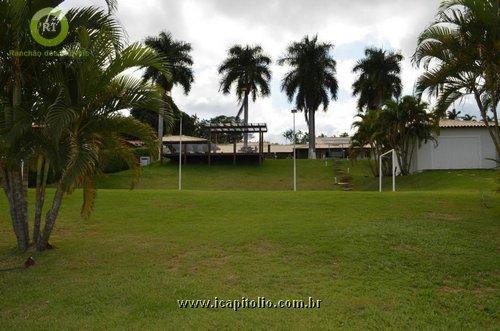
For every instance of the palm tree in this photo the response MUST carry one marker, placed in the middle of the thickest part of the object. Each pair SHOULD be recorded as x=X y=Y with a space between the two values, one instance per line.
x=19 y=78
x=401 y=125
x=64 y=112
x=468 y=117
x=368 y=133
x=453 y=114
x=311 y=81
x=406 y=123
x=461 y=55
x=247 y=68
x=177 y=54
x=378 y=78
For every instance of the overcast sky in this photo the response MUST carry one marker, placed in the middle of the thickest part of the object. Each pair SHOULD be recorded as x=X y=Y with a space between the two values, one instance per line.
x=212 y=26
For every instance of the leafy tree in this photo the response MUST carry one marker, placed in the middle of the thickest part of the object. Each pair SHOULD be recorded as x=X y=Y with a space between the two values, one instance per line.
x=344 y=135
x=300 y=137
x=460 y=52
x=178 y=56
x=311 y=80
x=248 y=69
x=63 y=112
x=190 y=124
x=222 y=138
x=378 y=78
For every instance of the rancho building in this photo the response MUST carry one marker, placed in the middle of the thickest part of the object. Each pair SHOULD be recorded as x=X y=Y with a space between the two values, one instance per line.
x=459 y=145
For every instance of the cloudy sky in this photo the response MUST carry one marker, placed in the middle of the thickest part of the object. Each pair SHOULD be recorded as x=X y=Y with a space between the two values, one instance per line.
x=212 y=26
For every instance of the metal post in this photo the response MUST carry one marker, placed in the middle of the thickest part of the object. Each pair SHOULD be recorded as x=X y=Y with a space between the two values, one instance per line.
x=393 y=154
x=180 y=154
x=294 y=111
x=393 y=170
x=160 y=137
x=380 y=174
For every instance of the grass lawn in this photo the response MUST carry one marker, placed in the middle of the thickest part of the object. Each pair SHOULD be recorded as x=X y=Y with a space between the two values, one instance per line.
x=276 y=175
x=405 y=260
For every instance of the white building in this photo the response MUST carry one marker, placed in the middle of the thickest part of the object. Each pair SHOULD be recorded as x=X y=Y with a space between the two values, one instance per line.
x=460 y=145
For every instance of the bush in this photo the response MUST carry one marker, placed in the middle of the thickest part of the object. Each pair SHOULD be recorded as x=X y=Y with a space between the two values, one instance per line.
x=114 y=164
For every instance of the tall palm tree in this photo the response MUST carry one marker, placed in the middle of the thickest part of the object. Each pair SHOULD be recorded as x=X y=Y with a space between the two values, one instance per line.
x=378 y=78
x=311 y=81
x=460 y=52
x=247 y=68
x=178 y=56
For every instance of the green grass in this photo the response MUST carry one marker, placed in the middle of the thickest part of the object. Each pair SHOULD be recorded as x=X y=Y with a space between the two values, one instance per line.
x=423 y=258
x=406 y=260
x=276 y=175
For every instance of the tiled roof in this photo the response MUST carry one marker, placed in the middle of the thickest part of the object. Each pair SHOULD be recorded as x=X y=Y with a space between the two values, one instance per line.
x=461 y=124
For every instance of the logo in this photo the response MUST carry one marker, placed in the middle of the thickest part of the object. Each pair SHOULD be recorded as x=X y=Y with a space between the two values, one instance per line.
x=48 y=27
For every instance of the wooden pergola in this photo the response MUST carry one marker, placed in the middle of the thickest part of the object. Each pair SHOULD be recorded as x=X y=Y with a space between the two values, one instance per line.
x=216 y=128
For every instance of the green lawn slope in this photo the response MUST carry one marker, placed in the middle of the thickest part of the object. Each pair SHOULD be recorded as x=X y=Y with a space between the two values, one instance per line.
x=276 y=175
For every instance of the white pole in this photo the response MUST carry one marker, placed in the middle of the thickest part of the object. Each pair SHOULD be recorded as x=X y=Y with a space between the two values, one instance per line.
x=294 y=158
x=393 y=170
x=180 y=155
x=160 y=136
x=380 y=173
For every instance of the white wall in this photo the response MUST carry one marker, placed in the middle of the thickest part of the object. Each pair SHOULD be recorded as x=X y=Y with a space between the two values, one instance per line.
x=457 y=148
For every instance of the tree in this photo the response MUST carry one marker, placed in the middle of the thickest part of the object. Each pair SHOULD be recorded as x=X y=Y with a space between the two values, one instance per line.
x=190 y=123
x=460 y=52
x=407 y=124
x=370 y=134
x=300 y=137
x=178 y=56
x=453 y=114
x=378 y=78
x=400 y=125
x=248 y=69
x=222 y=138
x=311 y=81
x=468 y=117
x=63 y=112
x=344 y=135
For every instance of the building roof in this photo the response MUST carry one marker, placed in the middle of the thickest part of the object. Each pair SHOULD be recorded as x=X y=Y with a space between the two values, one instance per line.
x=445 y=123
x=333 y=142
x=185 y=139
x=237 y=127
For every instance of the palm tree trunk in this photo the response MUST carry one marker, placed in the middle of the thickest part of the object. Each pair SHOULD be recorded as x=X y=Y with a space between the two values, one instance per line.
x=13 y=182
x=312 y=135
x=245 y=119
x=493 y=131
x=50 y=220
x=13 y=187
x=41 y=183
